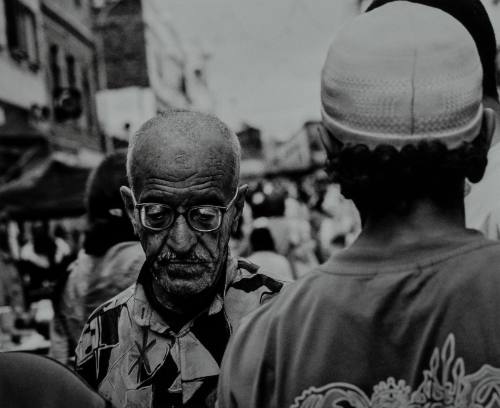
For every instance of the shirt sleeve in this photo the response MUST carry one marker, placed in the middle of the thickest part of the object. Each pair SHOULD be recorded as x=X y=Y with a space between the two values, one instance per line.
x=85 y=364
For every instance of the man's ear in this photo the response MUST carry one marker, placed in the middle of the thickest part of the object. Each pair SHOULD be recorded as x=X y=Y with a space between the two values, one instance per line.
x=325 y=138
x=331 y=145
x=129 y=202
x=238 y=205
x=488 y=126
x=475 y=171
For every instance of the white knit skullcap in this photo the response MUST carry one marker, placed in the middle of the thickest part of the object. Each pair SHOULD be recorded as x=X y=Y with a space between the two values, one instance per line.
x=401 y=74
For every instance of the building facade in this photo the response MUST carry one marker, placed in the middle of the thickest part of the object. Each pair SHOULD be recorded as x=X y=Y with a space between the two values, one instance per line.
x=49 y=135
x=71 y=76
x=23 y=96
x=253 y=160
x=145 y=66
x=303 y=152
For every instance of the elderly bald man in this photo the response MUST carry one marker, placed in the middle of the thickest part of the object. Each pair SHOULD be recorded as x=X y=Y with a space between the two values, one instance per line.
x=160 y=342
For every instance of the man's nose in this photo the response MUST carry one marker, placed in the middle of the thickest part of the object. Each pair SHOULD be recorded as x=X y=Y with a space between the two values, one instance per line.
x=181 y=238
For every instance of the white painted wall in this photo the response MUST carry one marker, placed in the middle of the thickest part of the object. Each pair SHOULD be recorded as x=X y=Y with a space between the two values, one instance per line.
x=18 y=84
x=116 y=107
x=165 y=58
x=170 y=57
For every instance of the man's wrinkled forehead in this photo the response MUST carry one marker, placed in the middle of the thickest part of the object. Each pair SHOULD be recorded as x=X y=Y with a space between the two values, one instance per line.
x=184 y=155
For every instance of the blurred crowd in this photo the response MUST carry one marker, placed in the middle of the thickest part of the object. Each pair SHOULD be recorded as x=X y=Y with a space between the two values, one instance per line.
x=55 y=273
x=67 y=268
x=34 y=258
x=298 y=223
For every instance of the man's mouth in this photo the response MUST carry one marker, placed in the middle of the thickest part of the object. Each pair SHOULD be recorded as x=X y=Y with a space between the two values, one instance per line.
x=183 y=270
x=184 y=262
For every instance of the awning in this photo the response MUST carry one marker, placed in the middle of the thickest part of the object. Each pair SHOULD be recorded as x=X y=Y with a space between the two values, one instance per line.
x=16 y=128
x=50 y=187
x=18 y=139
x=19 y=133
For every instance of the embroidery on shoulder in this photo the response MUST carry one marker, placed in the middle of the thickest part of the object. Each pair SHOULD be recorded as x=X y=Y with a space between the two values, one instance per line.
x=445 y=385
x=254 y=282
x=247 y=265
x=250 y=280
x=114 y=302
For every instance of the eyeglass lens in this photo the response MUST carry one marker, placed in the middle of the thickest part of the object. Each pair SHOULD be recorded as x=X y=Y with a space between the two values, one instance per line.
x=157 y=216
x=204 y=218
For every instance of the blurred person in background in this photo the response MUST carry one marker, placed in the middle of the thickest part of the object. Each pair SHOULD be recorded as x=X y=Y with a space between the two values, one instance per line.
x=302 y=251
x=290 y=230
x=63 y=249
x=11 y=286
x=342 y=220
x=109 y=262
x=482 y=201
x=40 y=247
x=63 y=257
x=37 y=263
x=301 y=255
x=263 y=253
x=268 y=202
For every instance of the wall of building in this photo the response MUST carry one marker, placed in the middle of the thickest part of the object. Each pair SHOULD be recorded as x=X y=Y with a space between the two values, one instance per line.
x=166 y=59
x=123 y=111
x=144 y=67
x=70 y=64
x=21 y=81
x=177 y=67
x=120 y=35
x=77 y=12
x=125 y=99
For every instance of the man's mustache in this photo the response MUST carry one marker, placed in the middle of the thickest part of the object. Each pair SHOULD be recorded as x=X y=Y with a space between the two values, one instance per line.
x=172 y=258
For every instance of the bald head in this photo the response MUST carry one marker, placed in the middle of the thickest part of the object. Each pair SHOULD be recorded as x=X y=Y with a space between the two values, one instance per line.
x=181 y=144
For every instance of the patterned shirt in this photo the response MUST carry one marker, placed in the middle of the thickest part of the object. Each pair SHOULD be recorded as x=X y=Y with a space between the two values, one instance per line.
x=133 y=358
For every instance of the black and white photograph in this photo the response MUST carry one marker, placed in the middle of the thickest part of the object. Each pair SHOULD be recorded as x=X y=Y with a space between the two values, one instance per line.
x=249 y=204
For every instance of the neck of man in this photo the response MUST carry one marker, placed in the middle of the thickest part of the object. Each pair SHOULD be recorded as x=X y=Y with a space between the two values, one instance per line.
x=177 y=312
x=425 y=221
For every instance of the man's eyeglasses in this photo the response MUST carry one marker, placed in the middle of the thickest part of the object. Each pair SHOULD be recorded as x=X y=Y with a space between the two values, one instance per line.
x=202 y=218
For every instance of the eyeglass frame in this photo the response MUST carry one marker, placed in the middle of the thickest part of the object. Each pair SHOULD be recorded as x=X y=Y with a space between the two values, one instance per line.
x=139 y=207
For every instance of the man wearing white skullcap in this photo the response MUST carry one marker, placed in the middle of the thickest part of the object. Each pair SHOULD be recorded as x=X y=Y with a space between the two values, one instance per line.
x=408 y=315
x=482 y=205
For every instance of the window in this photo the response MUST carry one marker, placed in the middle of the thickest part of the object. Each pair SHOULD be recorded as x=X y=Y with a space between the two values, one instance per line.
x=183 y=85
x=54 y=66
x=67 y=97
x=22 y=33
x=70 y=66
x=87 y=97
